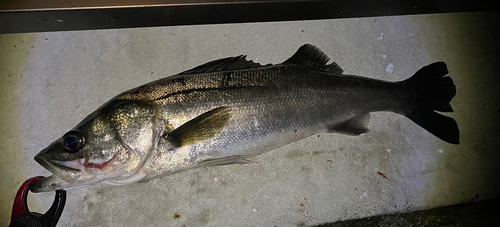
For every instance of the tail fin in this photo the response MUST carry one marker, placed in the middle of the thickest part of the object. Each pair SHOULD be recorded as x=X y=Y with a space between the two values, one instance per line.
x=433 y=91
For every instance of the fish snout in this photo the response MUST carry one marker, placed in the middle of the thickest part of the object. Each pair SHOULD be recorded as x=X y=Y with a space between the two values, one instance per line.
x=69 y=171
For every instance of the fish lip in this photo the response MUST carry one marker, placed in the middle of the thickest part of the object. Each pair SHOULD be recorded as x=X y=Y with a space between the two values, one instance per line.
x=61 y=169
x=47 y=184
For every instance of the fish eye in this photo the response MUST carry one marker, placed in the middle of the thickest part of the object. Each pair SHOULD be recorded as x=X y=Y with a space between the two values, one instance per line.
x=73 y=141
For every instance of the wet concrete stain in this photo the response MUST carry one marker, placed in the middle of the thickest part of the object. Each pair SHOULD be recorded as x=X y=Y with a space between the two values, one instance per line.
x=300 y=153
x=476 y=110
x=14 y=50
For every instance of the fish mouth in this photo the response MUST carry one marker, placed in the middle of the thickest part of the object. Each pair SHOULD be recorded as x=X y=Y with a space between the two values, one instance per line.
x=69 y=171
x=48 y=184
x=66 y=175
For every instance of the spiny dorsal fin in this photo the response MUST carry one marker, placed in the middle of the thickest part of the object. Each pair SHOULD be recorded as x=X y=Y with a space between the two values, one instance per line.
x=309 y=55
x=354 y=126
x=201 y=128
x=225 y=64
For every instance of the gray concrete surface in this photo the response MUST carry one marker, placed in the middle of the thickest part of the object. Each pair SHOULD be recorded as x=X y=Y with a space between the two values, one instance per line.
x=50 y=81
x=485 y=213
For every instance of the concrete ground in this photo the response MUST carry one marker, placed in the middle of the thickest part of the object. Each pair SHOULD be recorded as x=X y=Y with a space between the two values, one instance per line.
x=485 y=213
x=51 y=81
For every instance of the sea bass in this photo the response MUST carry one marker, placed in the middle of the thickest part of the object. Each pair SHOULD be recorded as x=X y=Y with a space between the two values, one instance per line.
x=228 y=110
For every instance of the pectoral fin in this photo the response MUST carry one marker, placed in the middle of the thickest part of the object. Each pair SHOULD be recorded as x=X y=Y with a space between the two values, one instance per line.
x=354 y=126
x=201 y=128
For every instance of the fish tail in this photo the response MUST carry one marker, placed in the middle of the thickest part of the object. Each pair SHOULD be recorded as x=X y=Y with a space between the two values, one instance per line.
x=432 y=92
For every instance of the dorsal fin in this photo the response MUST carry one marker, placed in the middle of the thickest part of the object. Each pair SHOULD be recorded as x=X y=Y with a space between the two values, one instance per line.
x=225 y=64
x=306 y=55
x=309 y=55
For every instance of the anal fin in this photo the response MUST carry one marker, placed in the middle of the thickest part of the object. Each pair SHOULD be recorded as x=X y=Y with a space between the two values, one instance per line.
x=354 y=126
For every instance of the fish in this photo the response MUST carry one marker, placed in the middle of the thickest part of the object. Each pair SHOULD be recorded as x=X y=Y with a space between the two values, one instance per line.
x=226 y=111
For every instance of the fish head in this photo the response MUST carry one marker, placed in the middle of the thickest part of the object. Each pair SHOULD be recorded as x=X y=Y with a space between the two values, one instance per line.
x=108 y=147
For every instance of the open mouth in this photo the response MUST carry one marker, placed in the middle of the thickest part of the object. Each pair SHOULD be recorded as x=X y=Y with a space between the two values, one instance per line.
x=66 y=174
x=48 y=184
x=68 y=171
x=100 y=166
